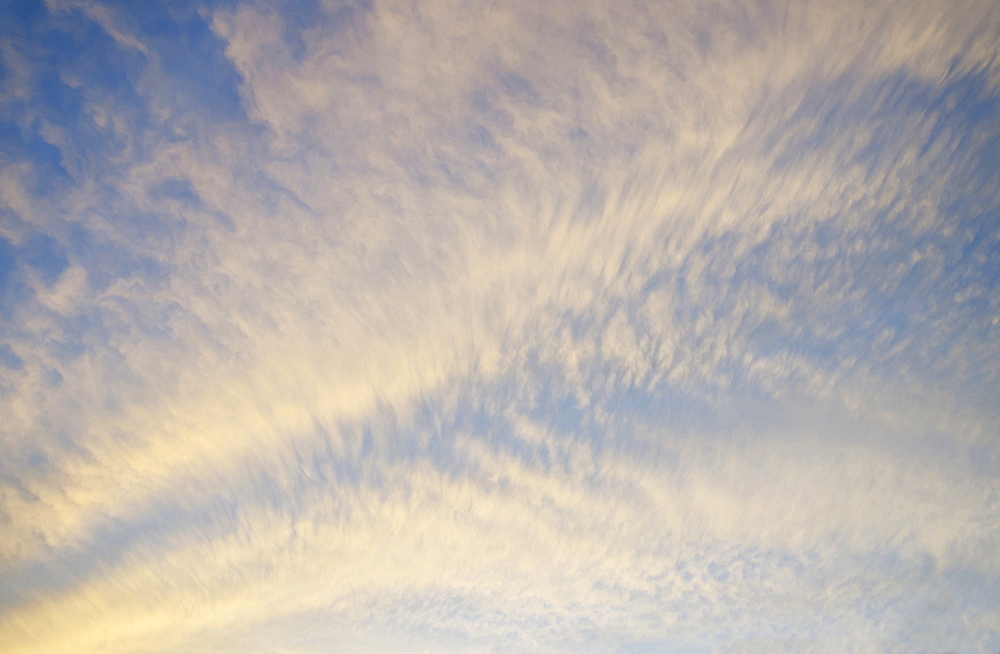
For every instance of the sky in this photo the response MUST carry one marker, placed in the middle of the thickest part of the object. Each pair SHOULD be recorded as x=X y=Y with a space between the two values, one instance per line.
x=476 y=326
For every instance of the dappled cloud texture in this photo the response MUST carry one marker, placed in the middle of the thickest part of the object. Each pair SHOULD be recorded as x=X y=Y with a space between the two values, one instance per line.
x=442 y=325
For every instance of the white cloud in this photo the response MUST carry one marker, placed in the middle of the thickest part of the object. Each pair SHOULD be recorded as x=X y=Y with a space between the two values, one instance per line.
x=659 y=251
x=602 y=539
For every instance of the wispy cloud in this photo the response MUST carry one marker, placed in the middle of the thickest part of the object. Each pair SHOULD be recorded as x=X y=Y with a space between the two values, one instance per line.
x=472 y=327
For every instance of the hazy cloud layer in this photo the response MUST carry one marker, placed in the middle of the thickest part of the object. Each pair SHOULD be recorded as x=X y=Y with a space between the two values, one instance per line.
x=469 y=326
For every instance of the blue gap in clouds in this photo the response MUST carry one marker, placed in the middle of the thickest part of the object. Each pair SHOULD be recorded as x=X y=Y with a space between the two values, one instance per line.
x=107 y=262
x=40 y=253
x=177 y=189
x=19 y=12
x=202 y=76
x=45 y=255
x=191 y=54
x=966 y=115
x=915 y=298
x=13 y=289
x=963 y=109
x=71 y=61
x=9 y=358
x=74 y=61
x=25 y=145
x=7 y=264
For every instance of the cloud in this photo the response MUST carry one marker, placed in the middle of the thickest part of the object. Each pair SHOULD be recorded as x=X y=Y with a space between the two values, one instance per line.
x=509 y=538
x=666 y=327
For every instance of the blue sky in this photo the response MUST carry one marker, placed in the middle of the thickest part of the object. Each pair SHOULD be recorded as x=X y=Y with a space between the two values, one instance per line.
x=468 y=326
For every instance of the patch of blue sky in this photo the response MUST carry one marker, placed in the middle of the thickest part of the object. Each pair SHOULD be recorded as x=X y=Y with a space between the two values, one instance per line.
x=12 y=289
x=78 y=72
x=899 y=296
x=73 y=62
x=77 y=66
x=47 y=256
x=9 y=358
x=199 y=76
x=21 y=144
